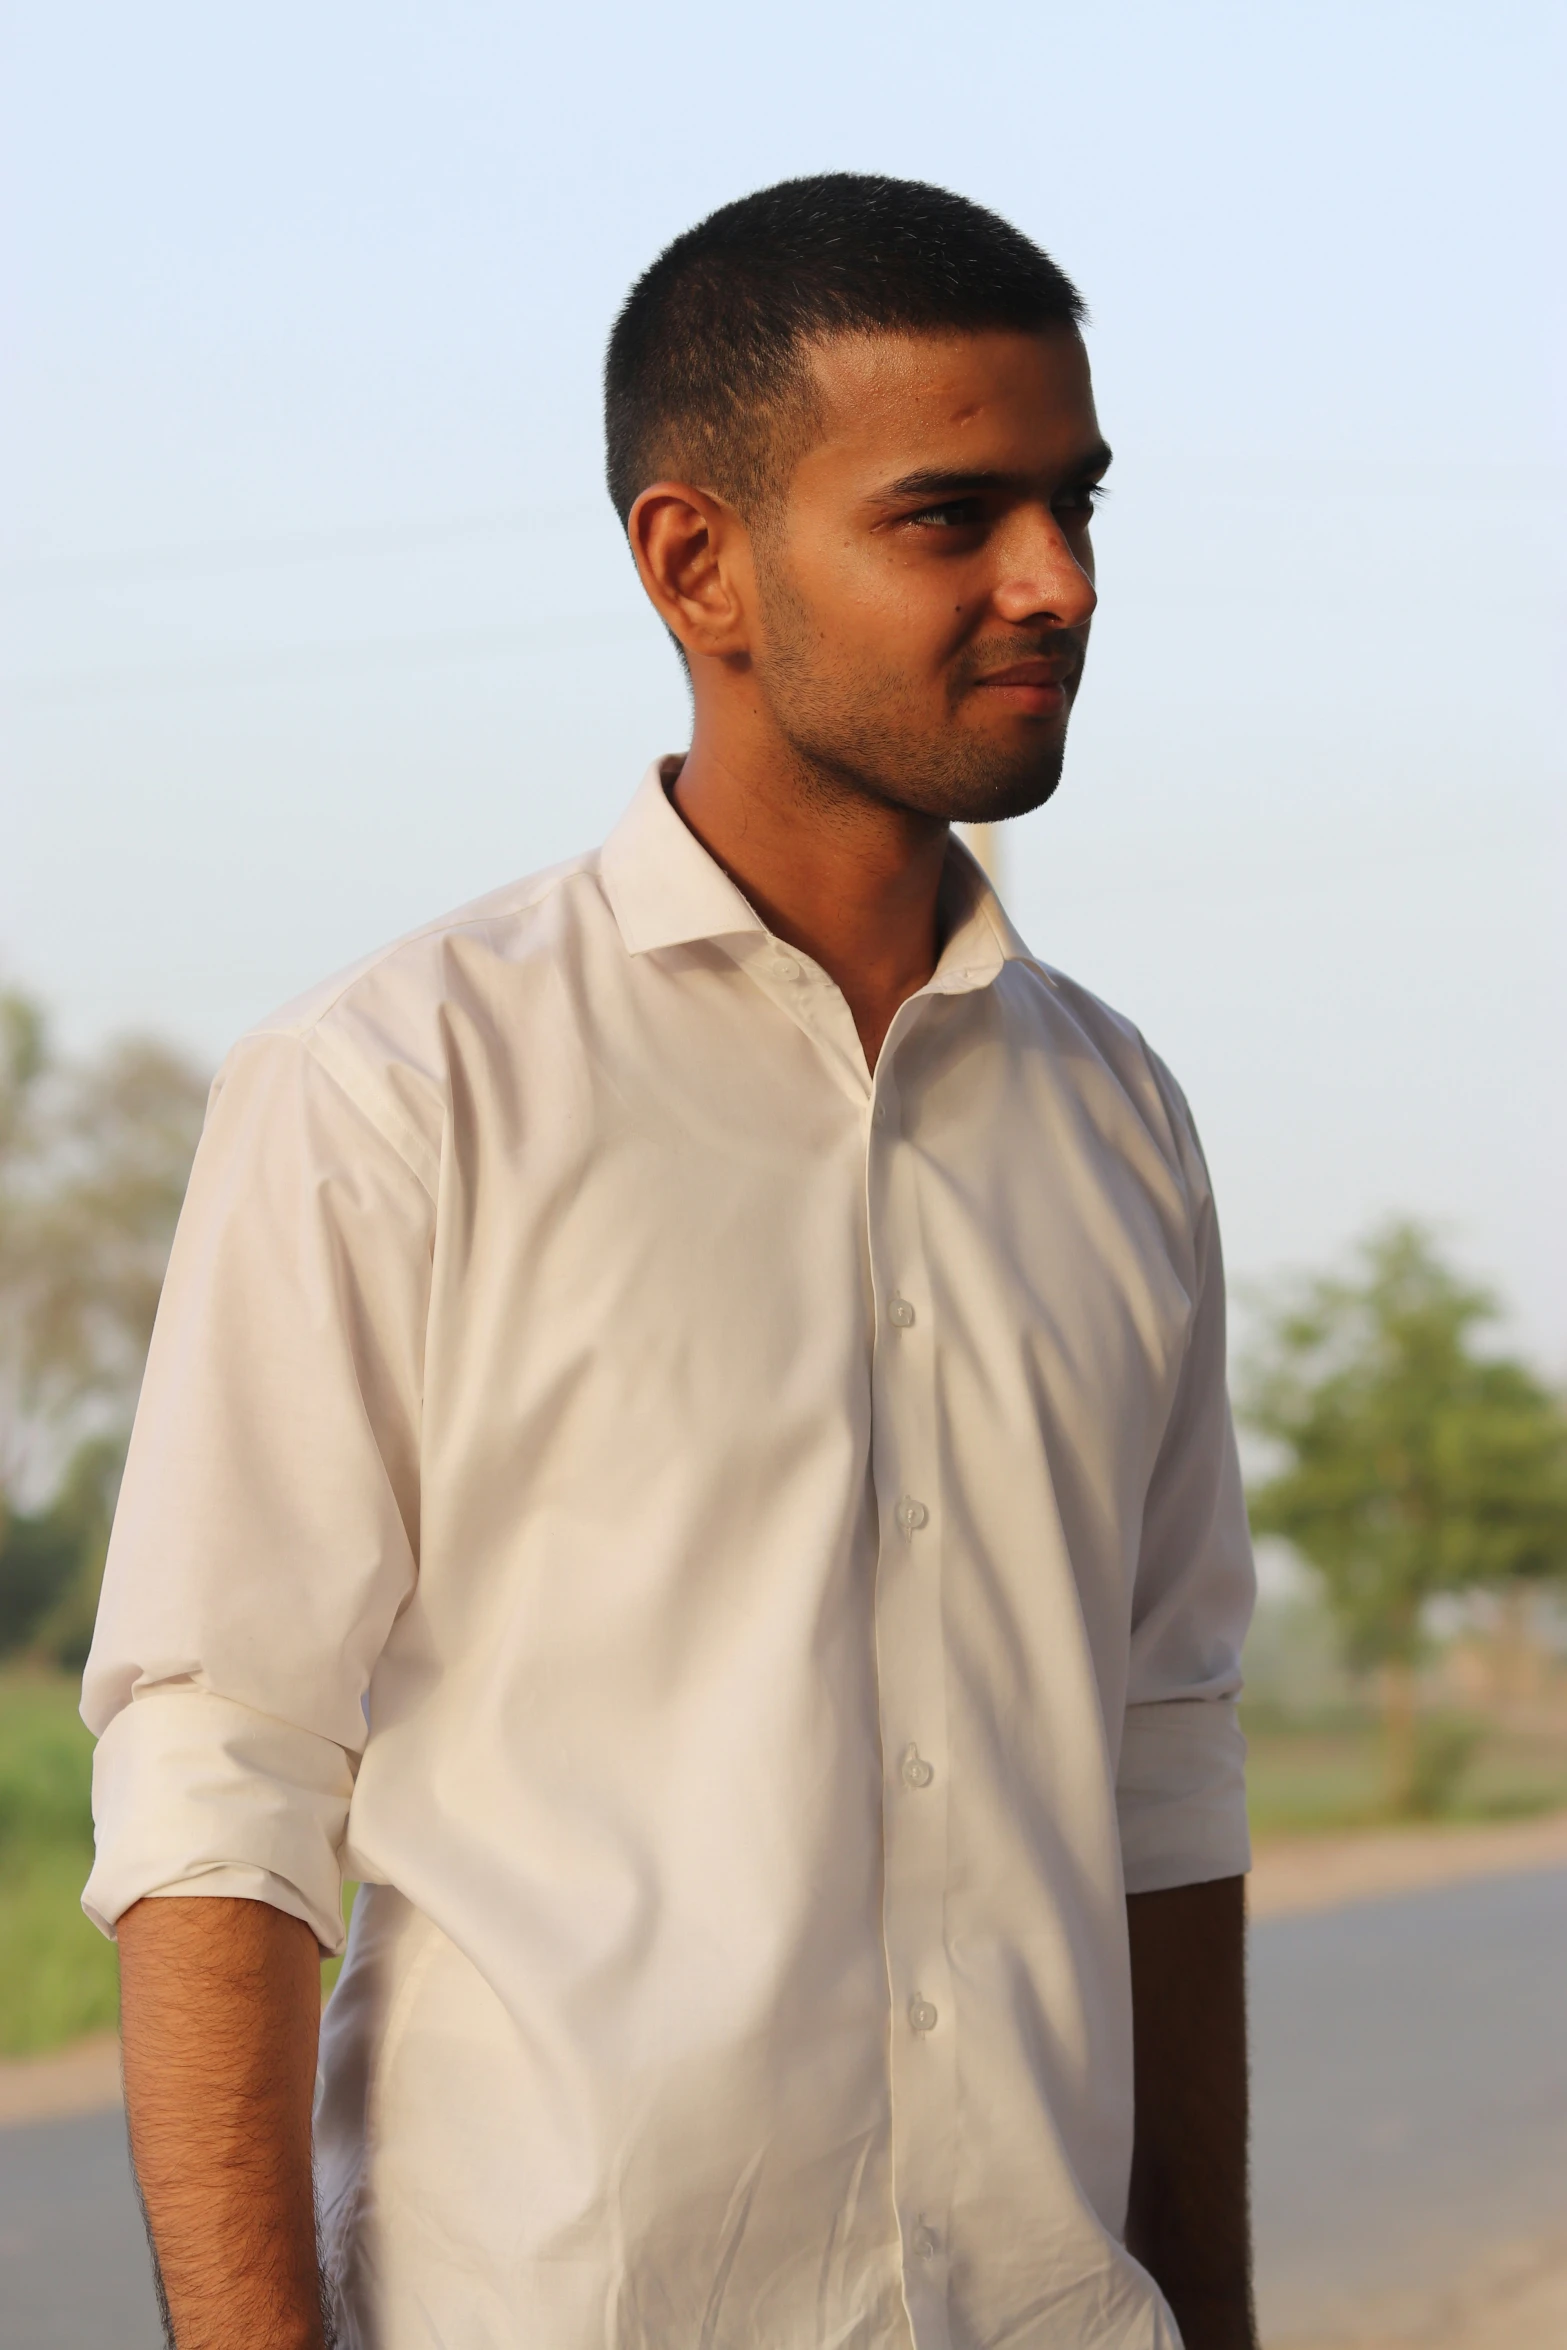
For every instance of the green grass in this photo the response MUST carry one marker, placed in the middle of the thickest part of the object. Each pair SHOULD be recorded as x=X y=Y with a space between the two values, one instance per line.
x=1325 y=1770
x=57 y=1973
x=331 y=1968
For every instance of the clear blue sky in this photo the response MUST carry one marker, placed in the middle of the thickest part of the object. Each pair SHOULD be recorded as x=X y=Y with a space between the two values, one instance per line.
x=317 y=620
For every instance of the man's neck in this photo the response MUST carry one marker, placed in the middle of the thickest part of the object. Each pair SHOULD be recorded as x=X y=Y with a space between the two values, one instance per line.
x=850 y=881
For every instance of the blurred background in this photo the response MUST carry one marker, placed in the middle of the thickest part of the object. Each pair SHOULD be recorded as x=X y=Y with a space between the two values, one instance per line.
x=317 y=622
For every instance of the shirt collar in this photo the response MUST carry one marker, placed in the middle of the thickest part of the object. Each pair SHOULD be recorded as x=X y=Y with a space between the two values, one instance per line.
x=665 y=891
x=980 y=936
x=663 y=888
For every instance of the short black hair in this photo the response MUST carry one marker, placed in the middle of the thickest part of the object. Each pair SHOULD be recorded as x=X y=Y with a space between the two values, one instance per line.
x=708 y=354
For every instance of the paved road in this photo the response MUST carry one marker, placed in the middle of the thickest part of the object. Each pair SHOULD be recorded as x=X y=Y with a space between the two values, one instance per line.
x=1410 y=2091
x=73 y=2260
x=1411 y=2106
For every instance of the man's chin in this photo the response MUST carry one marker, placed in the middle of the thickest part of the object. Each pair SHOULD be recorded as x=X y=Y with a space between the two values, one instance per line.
x=1020 y=800
x=959 y=776
x=992 y=791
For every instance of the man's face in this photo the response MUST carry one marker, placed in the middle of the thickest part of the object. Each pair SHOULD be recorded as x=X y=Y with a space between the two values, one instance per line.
x=927 y=586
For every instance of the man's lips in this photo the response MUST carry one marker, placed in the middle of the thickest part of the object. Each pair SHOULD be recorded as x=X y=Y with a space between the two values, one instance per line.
x=1037 y=685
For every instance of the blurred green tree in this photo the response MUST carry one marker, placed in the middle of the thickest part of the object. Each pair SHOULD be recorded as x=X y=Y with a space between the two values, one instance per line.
x=1411 y=1462
x=94 y=1159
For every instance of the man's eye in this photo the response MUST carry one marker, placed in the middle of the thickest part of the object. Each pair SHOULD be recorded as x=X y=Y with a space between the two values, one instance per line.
x=951 y=514
x=1080 y=503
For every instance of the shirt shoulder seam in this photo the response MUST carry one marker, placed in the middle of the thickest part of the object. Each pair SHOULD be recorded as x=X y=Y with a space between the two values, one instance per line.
x=312 y=1043
x=307 y=1042
x=451 y=925
x=314 y=1036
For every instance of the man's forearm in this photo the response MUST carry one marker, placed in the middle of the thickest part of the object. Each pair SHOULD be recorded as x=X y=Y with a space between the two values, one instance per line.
x=1188 y=2220
x=220 y=2010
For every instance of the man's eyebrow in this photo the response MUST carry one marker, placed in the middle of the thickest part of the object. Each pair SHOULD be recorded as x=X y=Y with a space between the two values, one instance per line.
x=935 y=481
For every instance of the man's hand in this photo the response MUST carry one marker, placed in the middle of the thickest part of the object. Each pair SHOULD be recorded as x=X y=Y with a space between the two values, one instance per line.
x=1188 y=2220
x=220 y=2009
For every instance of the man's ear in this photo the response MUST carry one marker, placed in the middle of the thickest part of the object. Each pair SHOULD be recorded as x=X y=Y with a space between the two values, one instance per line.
x=693 y=554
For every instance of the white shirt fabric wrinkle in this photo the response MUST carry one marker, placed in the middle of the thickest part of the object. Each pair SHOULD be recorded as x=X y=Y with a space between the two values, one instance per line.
x=744 y=1559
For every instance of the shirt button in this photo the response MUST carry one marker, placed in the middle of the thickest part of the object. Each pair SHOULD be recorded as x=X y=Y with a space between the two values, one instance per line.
x=902 y=1313
x=786 y=967
x=912 y=1515
x=925 y=2243
x=917 y=1772
x=922 y=2015
x=880 y=1114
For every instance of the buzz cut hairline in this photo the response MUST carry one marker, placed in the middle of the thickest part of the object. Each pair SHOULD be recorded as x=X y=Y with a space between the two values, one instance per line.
x=707 y=377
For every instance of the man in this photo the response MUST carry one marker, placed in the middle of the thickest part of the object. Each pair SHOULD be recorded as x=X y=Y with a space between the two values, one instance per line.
x=686 y=1448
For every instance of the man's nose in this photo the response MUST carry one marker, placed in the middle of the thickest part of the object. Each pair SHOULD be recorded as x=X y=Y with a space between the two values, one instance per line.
x=1042 y=576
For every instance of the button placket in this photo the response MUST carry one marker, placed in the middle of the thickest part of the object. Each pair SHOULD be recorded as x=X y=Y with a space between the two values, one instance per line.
x=807 y=997
x=911 y=1672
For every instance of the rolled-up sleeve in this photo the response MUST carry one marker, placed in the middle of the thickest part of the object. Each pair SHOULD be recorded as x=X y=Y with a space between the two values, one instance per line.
x=1180 y=1784
x=266 y=1535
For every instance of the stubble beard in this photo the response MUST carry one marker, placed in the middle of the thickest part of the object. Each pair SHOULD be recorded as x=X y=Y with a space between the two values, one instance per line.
x=859 y=737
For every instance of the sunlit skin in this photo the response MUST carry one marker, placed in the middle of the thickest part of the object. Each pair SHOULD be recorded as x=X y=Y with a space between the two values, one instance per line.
x=897 y=646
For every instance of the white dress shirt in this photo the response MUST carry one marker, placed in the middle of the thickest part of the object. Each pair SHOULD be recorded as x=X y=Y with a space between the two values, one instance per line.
x=744 y=1558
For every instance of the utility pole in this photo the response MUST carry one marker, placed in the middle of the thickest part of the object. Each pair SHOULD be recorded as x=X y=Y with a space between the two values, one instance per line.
x=984 y=840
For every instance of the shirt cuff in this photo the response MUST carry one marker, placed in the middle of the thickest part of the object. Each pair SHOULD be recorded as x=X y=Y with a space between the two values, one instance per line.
x=1181 y=1794
x=193 y=1793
